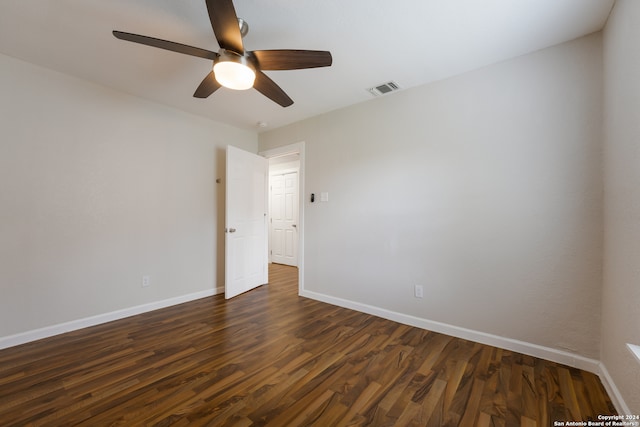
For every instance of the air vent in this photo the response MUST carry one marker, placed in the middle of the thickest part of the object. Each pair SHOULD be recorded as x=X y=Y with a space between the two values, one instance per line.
x=384 y=88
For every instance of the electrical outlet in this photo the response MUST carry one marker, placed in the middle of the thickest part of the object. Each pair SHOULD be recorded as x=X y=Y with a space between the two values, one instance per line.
x=146 y=281
x=418 y=291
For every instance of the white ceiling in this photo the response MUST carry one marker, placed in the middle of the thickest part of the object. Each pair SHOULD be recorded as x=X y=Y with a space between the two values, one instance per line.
x=411 y=42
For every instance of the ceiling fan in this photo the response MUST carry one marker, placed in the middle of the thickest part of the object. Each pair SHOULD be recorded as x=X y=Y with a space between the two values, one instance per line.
x=233 y=66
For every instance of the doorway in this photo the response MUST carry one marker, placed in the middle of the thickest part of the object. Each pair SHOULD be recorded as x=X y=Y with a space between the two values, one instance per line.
x=288 y=162
x=283 y=210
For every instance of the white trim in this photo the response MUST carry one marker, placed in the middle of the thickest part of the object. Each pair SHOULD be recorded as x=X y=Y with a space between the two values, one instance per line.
x=298 y=148
x=612 y=390
x=535 y=350
x=530 y=349
x=635 y=350
x=61 y=328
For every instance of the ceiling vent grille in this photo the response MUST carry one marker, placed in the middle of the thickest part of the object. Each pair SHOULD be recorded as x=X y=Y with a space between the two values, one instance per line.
x=384 y=88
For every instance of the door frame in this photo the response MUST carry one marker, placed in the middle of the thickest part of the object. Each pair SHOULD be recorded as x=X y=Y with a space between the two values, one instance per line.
x=296 y=148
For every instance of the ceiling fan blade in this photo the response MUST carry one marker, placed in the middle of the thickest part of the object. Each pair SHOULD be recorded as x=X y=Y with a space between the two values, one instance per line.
x=271 y=90
x=289 y=59
x=207 y=86
x=165 y=44
x=225 y=25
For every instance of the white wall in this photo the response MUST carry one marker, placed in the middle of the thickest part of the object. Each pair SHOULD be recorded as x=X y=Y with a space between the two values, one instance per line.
x=484 y=188
x=97 y=189
x=621 y=291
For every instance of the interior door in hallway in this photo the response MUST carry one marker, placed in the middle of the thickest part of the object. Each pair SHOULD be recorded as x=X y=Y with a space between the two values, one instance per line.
x=284 y=218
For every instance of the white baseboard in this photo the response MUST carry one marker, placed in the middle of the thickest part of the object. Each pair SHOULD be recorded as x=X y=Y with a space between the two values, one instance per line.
x=49 y=331
x=547 y=353
x=535 y=350
x=612 y=390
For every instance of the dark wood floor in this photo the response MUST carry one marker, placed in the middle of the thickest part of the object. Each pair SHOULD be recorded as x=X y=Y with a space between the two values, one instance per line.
x=269 y=357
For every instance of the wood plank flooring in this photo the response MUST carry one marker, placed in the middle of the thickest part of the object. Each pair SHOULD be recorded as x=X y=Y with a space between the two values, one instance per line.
x=271 y=358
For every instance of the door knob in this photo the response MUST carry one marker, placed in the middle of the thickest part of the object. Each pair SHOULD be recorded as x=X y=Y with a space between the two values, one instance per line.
x=231 y=230
x=294 y=226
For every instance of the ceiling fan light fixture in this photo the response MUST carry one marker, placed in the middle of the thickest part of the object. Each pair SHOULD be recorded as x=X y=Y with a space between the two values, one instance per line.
x=233 y=66
x=234 y=72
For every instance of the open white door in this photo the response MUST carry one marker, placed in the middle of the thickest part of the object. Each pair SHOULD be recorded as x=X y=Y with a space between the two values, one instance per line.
x=246 y=244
